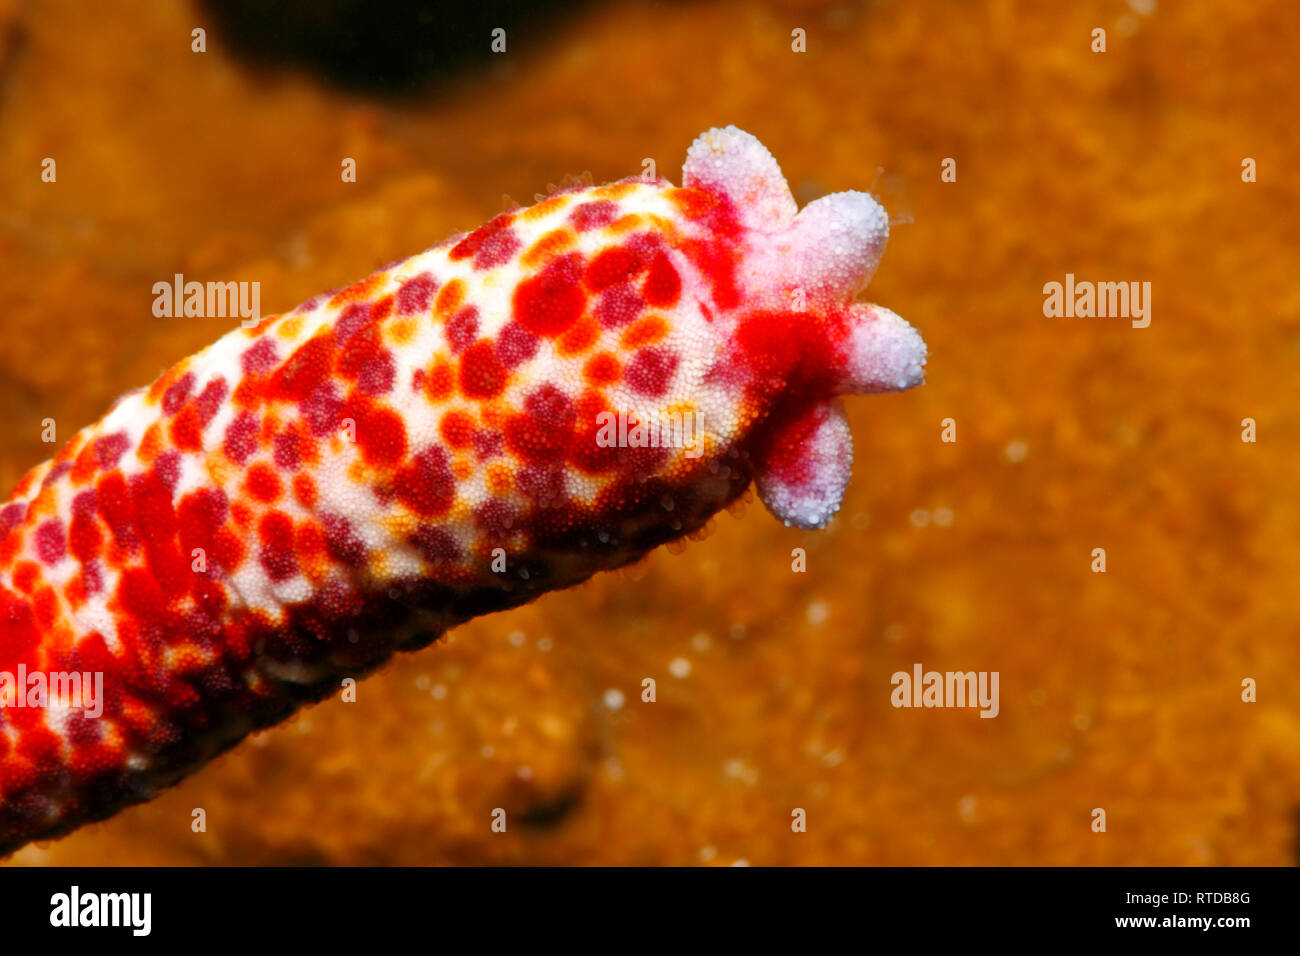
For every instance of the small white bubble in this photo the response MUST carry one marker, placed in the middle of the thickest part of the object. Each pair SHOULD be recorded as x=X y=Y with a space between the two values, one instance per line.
x=1016 y=450
x=422 y=682
x=679 y=667
x=943 y=517
x=740 y=862
x=920 y=517
x=701 y=642
x=613 y=699
x=516 y=638
x=438 y=691
x=708 y=854
x=817 y=612
x=543 y=644
x=488 y=750
x=524 y=773
x=966 y=809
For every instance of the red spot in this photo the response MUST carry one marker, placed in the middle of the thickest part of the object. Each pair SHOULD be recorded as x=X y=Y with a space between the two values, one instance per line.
x=210 y=399
x=495 y=519
x=602 y=369
x=469 y=246
x=437 y=546
x=287 y=454
x=187 y=432
x=115 y=508
x=305 y=369
x=110 y=449
x=516 y=345
x=586 y=451
x=368 y=363
x=611 y=265
x=716 y=261
x=426 y=485
x=199 y=517
x=481 y=373
x=618 y=306
x=51 y=541
x=545 y=428
x=380 y=434
x=663 y=286
x=341 y=542
x=10 y=515
x=155 y=519
x=551 y=301
x=259 y=358
x=304 y=489
x=650 y=371
x=275 y=531
x=351 y=320
x=25 y=575
x=241 y=438
x=175 y=396
x=414 y=293
x=542 y=483
x=168 y=468
x=84 y=537
x=462 y=330
x=488 y=444
x=457 y=429
x=496 y=249
x=141 y=596
x=323 y=410
x=593 y=214
x=263 y=483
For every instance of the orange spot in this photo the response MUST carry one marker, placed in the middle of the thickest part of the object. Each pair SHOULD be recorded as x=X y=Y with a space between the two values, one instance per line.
x=151 y=445
x=357 y=290
x=545 y=207
x=625 y=223
x=26 y=575
x=290 y=328
x=84 y=468
x=253 y=331
x=381 y=309
x=441 y=380
x=580 y=337
x=401 y=331
x=462 y=467
x=457 y=429
x=602 y=369
x=615 y=190
x=645 y=331
x=304 y=490
x=500 y=479
x=449 y=297
x=548 y=247
x=263 y=483
x=694 y=203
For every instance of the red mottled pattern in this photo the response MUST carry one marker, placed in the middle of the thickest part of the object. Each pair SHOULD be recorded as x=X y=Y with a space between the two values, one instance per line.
x=302 y=499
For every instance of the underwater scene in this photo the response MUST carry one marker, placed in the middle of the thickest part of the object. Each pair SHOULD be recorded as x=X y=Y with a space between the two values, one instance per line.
x=649 y=433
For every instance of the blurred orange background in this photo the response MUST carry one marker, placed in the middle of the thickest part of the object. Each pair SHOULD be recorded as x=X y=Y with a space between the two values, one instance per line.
x=1119 y=691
